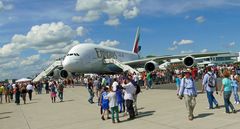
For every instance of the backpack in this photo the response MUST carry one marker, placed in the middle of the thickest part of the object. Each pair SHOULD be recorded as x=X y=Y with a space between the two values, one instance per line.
x=138 y=88
x=211 y=80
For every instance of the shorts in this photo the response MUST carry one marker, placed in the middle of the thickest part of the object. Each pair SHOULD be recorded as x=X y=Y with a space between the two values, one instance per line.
x=105 y=106
x=53 y=94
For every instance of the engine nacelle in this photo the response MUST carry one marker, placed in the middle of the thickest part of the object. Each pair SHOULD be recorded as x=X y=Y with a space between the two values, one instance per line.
x=65 y=74
x=188 y=61
x=151 y=66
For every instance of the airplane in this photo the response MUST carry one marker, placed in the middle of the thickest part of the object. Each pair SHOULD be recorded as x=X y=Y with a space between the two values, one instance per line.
x=89 y=58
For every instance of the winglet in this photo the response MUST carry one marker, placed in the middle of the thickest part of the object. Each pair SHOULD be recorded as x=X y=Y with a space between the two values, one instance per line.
x=136 y=42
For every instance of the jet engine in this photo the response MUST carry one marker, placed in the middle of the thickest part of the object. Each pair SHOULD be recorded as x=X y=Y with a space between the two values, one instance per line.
x=188 y=61
x=151 y=66
x=65 y=74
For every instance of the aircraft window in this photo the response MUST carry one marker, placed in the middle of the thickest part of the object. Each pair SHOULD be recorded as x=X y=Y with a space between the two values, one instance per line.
x=70 y=54
x=75 y=54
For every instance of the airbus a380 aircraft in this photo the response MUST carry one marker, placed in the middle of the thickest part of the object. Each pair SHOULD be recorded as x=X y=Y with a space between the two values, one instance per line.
x=89 y=58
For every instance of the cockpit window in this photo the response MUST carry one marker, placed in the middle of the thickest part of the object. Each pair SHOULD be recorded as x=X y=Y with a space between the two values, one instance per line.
x=73 y=54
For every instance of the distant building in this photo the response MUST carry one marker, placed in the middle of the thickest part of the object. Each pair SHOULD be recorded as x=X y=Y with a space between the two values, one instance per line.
x=238 y=59
x=216 y=60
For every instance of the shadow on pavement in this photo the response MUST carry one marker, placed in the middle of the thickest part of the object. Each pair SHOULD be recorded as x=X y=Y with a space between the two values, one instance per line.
x=66 y=101
x=4 y=117
x=144 y=114
x=30 y=103
x=1 y=113
x=202 y=115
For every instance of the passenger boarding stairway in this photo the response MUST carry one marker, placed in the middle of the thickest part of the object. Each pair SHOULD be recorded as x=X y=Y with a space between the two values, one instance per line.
x=121 y=65
x=44 y=73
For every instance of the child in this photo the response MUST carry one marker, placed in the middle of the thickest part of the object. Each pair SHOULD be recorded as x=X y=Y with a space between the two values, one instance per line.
x=53 y=92
x=178 y=82
x=113 y=105
x=105 y=103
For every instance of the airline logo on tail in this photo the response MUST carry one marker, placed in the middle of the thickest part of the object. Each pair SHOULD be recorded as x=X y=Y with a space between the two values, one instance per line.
x=136 y=47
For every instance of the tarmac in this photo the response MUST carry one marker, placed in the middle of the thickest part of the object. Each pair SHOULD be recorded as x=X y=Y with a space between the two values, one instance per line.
x=159 y=108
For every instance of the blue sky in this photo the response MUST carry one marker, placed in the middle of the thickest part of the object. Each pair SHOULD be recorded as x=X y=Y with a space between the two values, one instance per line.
x=34 y=32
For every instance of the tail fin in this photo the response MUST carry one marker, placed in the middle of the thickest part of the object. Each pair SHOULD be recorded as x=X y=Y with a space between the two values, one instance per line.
x=136 y=42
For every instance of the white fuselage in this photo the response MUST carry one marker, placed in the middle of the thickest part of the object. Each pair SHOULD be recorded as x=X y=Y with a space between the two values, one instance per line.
x=88 y=58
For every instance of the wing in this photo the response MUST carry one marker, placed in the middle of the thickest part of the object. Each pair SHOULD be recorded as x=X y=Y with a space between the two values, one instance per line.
x=159 y=59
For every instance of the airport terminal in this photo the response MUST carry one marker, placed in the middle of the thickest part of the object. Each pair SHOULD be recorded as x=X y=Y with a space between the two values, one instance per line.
x=76 y=64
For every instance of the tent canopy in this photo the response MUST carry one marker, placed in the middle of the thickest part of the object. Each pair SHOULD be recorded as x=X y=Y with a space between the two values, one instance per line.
x=24 y=80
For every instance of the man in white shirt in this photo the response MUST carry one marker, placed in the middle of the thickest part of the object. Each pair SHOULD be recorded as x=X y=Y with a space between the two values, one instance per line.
x=129 y=91
x=115 y=84
x=30 y=90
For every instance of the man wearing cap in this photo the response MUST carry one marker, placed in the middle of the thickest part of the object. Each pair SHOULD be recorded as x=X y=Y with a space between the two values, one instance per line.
x=189 y=92
x=209 y=84
x=129 y=91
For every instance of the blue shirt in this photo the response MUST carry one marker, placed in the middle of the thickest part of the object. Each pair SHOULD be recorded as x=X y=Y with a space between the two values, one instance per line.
x=227 y=84
x=105 y=98
x=187 y=87
x=178 y=82
x=205 y=81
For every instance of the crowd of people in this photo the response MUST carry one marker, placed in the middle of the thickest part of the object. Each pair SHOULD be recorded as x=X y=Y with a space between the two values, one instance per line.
x=118 y=93
x=186 y=88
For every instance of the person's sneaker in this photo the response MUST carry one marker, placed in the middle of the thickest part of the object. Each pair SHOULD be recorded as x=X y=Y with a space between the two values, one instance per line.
x=234 y=111
x=210 y=108
x=102 y=118
x=238 y=102
x=227 y=112
x=190 y=118
x=113 y=122
x=108 y=117
x=118 y=121
x=235 y=102
x=217 y=106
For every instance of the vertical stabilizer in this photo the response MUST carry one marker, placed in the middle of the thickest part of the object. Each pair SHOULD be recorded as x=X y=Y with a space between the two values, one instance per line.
x=136 y=42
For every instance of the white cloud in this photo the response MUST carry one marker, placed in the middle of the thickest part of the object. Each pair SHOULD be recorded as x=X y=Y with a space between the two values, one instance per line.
x=182 y=6
x=187 y=17
x=175 y=44
x=30 y=60
x=172 y=48
x=114 y=9
x=53 y=38
x=232 y=44
x=112 y=22
x=129 y=14
x=200 y=19
x=89 y=40
x=19 y=67
x=89 y=17
x=109 y=43
x=186 y=52
x=204 y=50
x=81 y=31
x=185 y=42
x=45 y=38
x=5 y=6
x=87 y=4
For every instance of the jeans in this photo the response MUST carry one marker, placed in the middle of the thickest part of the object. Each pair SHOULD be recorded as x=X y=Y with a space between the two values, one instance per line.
x=91 y=94
x=211 y=99
x=149 y=83
x=235 y=93
x=130 y=109
x=30 y=94
x=60 y=95
x=113 y=111
x=227 y=103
